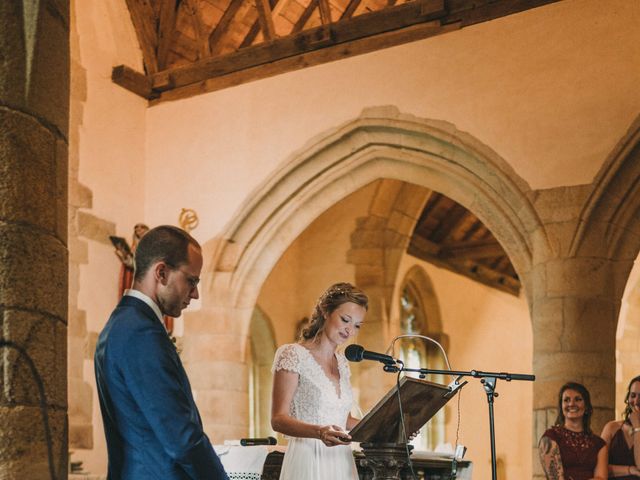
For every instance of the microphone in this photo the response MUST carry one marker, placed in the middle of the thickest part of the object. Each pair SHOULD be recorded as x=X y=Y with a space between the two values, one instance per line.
x=357 y=353
x=248 y=442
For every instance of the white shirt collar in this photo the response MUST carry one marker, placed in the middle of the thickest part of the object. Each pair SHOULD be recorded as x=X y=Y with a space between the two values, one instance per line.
x=146 y=299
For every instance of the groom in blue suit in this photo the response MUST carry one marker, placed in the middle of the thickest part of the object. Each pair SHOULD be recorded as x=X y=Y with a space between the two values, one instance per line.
x=152 y=424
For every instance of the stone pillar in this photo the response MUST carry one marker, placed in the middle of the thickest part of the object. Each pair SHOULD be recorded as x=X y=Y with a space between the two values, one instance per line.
x=34 y=97
x=214 y=352
x=377 y=246
x=574 y=306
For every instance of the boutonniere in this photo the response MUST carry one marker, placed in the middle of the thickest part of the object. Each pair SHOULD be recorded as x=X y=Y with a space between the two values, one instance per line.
x=177 y=345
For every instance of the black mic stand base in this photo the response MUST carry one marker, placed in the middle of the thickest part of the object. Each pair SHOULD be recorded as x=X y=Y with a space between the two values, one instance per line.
x=386 y=460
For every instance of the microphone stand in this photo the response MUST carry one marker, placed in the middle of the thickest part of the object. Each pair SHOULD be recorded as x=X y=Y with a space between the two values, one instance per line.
x=488 y=380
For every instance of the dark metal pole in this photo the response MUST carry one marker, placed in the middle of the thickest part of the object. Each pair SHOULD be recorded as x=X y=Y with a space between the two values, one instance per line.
x=489 y=385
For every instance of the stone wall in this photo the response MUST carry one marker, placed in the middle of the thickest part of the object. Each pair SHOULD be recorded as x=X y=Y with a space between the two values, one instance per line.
x=34 y=113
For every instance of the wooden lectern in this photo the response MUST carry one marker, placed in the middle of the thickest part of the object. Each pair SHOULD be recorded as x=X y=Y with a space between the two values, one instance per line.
x=380 y=431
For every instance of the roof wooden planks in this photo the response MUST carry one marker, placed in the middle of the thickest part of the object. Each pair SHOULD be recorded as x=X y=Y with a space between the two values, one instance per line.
x=196 y=46
x=450 y=236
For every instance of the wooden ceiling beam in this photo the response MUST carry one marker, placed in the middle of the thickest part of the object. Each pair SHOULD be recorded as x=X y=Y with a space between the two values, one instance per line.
x=133 y=81
x=223 y=26
x=474 y=251
x=255 y=28
x=266 y=19
x=304 y=18
x=166 y=30
x=298 y=62
x=325 y=11
x=311 y=40
x=143 y=18
x=350 y=10
x=455 y=216
x=362 y=34
x=470 y=12
x=199 y=28
x=251 y=35
x=468 y=268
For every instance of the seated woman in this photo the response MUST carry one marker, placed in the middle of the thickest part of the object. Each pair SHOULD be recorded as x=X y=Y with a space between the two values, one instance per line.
x=312 y=395
x=568 y=450
x=623 y=437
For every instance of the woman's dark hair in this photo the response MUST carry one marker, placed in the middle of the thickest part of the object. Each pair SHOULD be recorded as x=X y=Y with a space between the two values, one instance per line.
x=328 y=302
x=627 y=408
x=166 y=244
x=588 y=408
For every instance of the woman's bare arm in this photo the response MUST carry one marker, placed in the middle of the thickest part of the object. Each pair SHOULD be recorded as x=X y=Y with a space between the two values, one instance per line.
x=284 y=387
x=601 y=470
x=550 y=459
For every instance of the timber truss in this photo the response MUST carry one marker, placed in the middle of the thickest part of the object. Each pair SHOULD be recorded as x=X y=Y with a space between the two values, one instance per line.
x=191 y=47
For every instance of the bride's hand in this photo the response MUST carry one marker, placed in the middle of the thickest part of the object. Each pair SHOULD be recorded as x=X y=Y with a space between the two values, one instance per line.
x=332 y=435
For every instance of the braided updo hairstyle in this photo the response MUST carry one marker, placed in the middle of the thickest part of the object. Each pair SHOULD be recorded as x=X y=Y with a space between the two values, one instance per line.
x=328 y=302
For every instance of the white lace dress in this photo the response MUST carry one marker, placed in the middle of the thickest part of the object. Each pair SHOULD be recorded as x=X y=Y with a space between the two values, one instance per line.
x=316 y=401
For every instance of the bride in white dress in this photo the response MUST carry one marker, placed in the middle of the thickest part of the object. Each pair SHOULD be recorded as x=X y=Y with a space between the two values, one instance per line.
x=312 y=395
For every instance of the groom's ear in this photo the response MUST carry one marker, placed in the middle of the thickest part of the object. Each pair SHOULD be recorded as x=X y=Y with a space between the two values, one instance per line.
x=161 y=272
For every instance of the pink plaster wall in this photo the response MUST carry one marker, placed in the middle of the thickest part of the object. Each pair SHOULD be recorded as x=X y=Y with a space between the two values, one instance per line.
x=551 y=90
x=490 y=331
x=314 y=261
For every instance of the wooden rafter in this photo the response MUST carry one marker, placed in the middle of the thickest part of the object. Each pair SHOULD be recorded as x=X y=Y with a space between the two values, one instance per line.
x=266 y=19
x=304 y=18
x=199 y=28
x=322 y=54
x=325 y=11
x=255 y=27
x=223 y=26
x=251 y=34
x=349 y=36
x=350 y=10
x=133 y=81
x=360 y=27
x=166 y=30
x=473 y=250
x=454 y=217
x=143 y=18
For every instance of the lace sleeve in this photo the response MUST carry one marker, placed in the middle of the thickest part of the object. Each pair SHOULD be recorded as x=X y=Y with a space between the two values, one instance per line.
x=286 y=358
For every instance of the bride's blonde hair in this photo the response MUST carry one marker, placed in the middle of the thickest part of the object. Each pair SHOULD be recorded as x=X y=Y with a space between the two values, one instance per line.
x=328 y=302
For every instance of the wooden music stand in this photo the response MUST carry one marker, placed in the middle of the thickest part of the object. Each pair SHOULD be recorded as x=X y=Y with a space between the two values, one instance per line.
x=381 y=429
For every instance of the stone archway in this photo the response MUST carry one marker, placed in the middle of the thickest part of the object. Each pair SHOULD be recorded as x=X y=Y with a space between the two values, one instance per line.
x=609 y=227
x=380 y=144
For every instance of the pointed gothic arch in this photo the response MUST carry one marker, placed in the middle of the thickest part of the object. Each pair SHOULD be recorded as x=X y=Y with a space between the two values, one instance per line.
x=380 y=143
x=609 y=217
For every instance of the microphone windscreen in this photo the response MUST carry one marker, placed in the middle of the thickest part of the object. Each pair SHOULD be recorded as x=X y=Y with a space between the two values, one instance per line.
x=354 y=352
x=248 y=442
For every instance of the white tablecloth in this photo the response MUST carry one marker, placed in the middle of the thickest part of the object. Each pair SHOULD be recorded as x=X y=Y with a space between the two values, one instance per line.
x=243 y=463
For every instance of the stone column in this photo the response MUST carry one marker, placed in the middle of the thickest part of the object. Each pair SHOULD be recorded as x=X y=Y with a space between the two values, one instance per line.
x=34 y=97
x=214 y=352
x=377 y=245
x=574 y=306
x=215 y=339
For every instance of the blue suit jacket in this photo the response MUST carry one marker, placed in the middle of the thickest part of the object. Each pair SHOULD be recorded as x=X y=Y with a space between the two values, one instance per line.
x=152 y=424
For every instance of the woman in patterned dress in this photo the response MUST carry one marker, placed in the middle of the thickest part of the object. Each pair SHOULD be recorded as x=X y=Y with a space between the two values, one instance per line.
x=312 y=395
x=569 y=450
x=623 y=437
